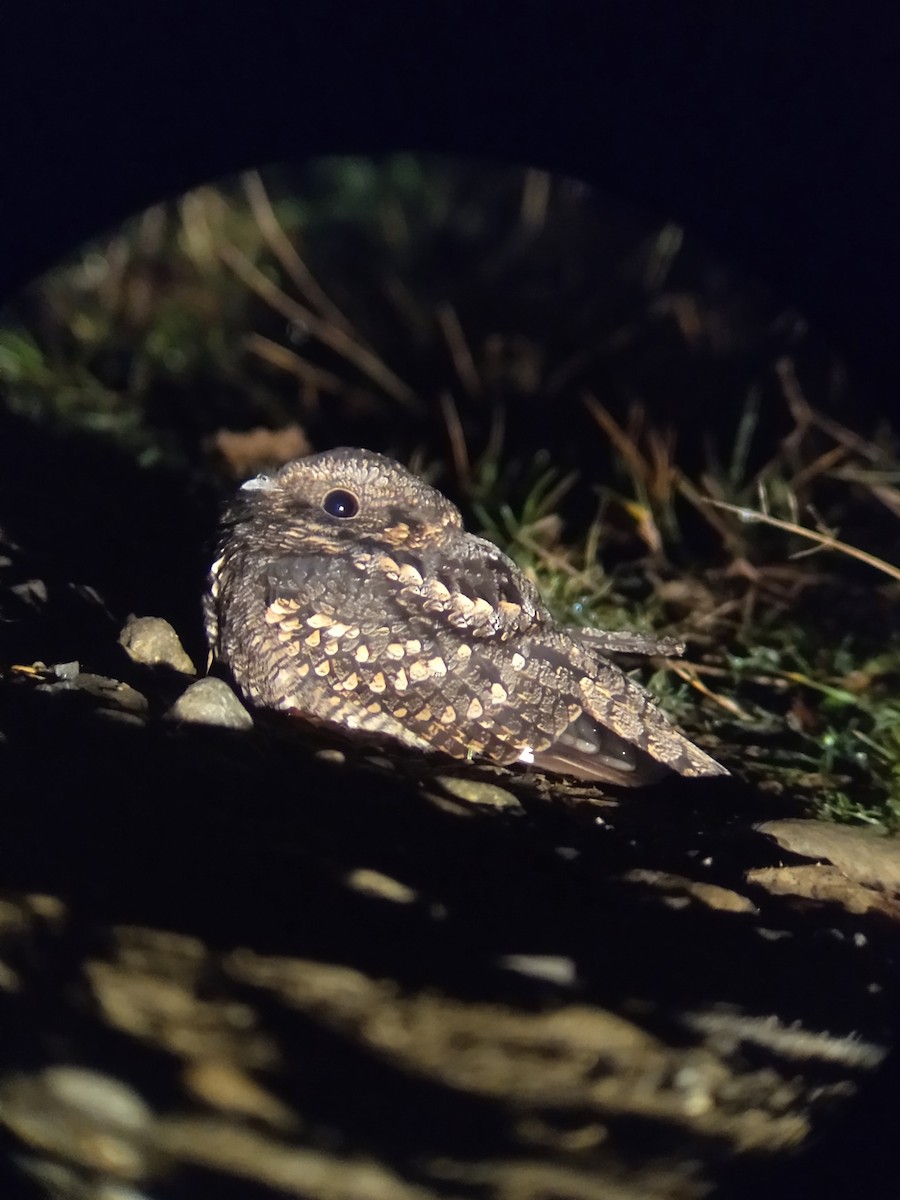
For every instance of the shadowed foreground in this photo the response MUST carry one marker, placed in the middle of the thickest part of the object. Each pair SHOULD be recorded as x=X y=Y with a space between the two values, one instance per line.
x=239 y=963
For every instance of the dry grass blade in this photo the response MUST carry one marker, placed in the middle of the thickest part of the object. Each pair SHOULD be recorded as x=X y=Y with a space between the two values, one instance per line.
x=888 y=496
x=535 y=199
x=825 y=540
x=797 y=403
x=730 y=706
x=807 y=417
x=701 y=503
x=553 y=559
x=456 y=436
x=662 y=446
x=820 y=466
x=651 y=477
x=463 y=362
x=877 y=483
x=329 y=335
x=778 y=682
x=624 y=445
x=286 y=253
x=287 y=360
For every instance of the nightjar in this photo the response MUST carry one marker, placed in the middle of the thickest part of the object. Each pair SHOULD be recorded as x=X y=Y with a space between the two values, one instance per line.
x=346 y=590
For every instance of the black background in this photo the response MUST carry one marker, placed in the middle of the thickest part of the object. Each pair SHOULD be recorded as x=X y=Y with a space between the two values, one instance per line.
x=770 y=129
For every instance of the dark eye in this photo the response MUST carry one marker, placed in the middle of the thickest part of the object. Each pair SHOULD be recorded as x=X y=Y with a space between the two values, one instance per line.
x=341 y=504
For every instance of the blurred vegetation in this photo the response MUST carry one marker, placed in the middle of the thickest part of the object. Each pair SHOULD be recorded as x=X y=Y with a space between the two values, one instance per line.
x=658 y=441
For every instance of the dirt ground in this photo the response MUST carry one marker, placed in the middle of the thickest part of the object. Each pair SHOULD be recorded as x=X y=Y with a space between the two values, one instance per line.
x=250 y=962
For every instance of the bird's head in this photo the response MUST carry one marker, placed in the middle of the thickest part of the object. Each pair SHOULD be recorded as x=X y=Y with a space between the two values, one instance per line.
x=328 y=499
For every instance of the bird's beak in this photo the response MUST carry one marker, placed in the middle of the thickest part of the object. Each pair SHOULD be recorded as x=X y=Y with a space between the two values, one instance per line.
x=260 y=483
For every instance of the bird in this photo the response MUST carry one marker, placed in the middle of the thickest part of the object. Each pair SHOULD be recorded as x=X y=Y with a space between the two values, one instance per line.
x=345 y=590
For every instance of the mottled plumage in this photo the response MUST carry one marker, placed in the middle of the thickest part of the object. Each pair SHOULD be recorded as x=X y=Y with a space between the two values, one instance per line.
x=345 y=589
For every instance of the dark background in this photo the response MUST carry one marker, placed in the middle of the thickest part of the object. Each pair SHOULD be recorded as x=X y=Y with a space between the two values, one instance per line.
x=771 y=130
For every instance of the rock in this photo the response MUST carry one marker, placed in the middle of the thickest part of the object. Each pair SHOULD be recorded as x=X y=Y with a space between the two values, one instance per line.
x=112 y=693
x=551 y=968
x=865 y=855
x=85 y=1117
x=331 y=755
x=825 y=885
x=476 y=791
x=153 y=642
x=375 y=883
x=65 y=672
x=230 y=1089
x=96 y=1095
x=211 y=702
x=677 y=886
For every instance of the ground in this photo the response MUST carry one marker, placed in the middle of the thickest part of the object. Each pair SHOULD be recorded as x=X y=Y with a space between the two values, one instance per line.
x=251 y=962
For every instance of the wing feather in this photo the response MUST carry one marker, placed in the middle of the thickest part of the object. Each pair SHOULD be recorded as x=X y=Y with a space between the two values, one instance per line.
x=458 y=655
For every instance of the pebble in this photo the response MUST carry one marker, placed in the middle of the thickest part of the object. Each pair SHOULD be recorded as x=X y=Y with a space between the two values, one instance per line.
x=232 y=1090
x=682 y=889
x=81 y=1116
x=476 y=791
x=552 y=968
x=153 y=642
x=374 y=883
x=862 y=854
x=330 y=755
x=111 y=693
x=98 y=1096
x=211 y=702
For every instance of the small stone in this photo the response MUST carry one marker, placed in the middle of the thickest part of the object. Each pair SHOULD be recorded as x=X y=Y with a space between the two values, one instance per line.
x=374 y=883
x=825 y=884
x=211 y=702
x=32 y=591
x=679 y=888
x=865 y=855
x=111 y=693
x=90 y=1119
x=330 y=755
x=552 y=968
x=153 y=642
x=67 y=671
x=476 y=791
x=99 y=1096
x=232 y=1090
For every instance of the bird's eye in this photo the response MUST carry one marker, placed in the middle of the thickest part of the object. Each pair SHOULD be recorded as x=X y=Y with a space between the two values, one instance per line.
x=341 y=504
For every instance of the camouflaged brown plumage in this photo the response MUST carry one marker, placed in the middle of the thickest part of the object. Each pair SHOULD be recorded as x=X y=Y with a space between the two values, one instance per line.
x=345 y=589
